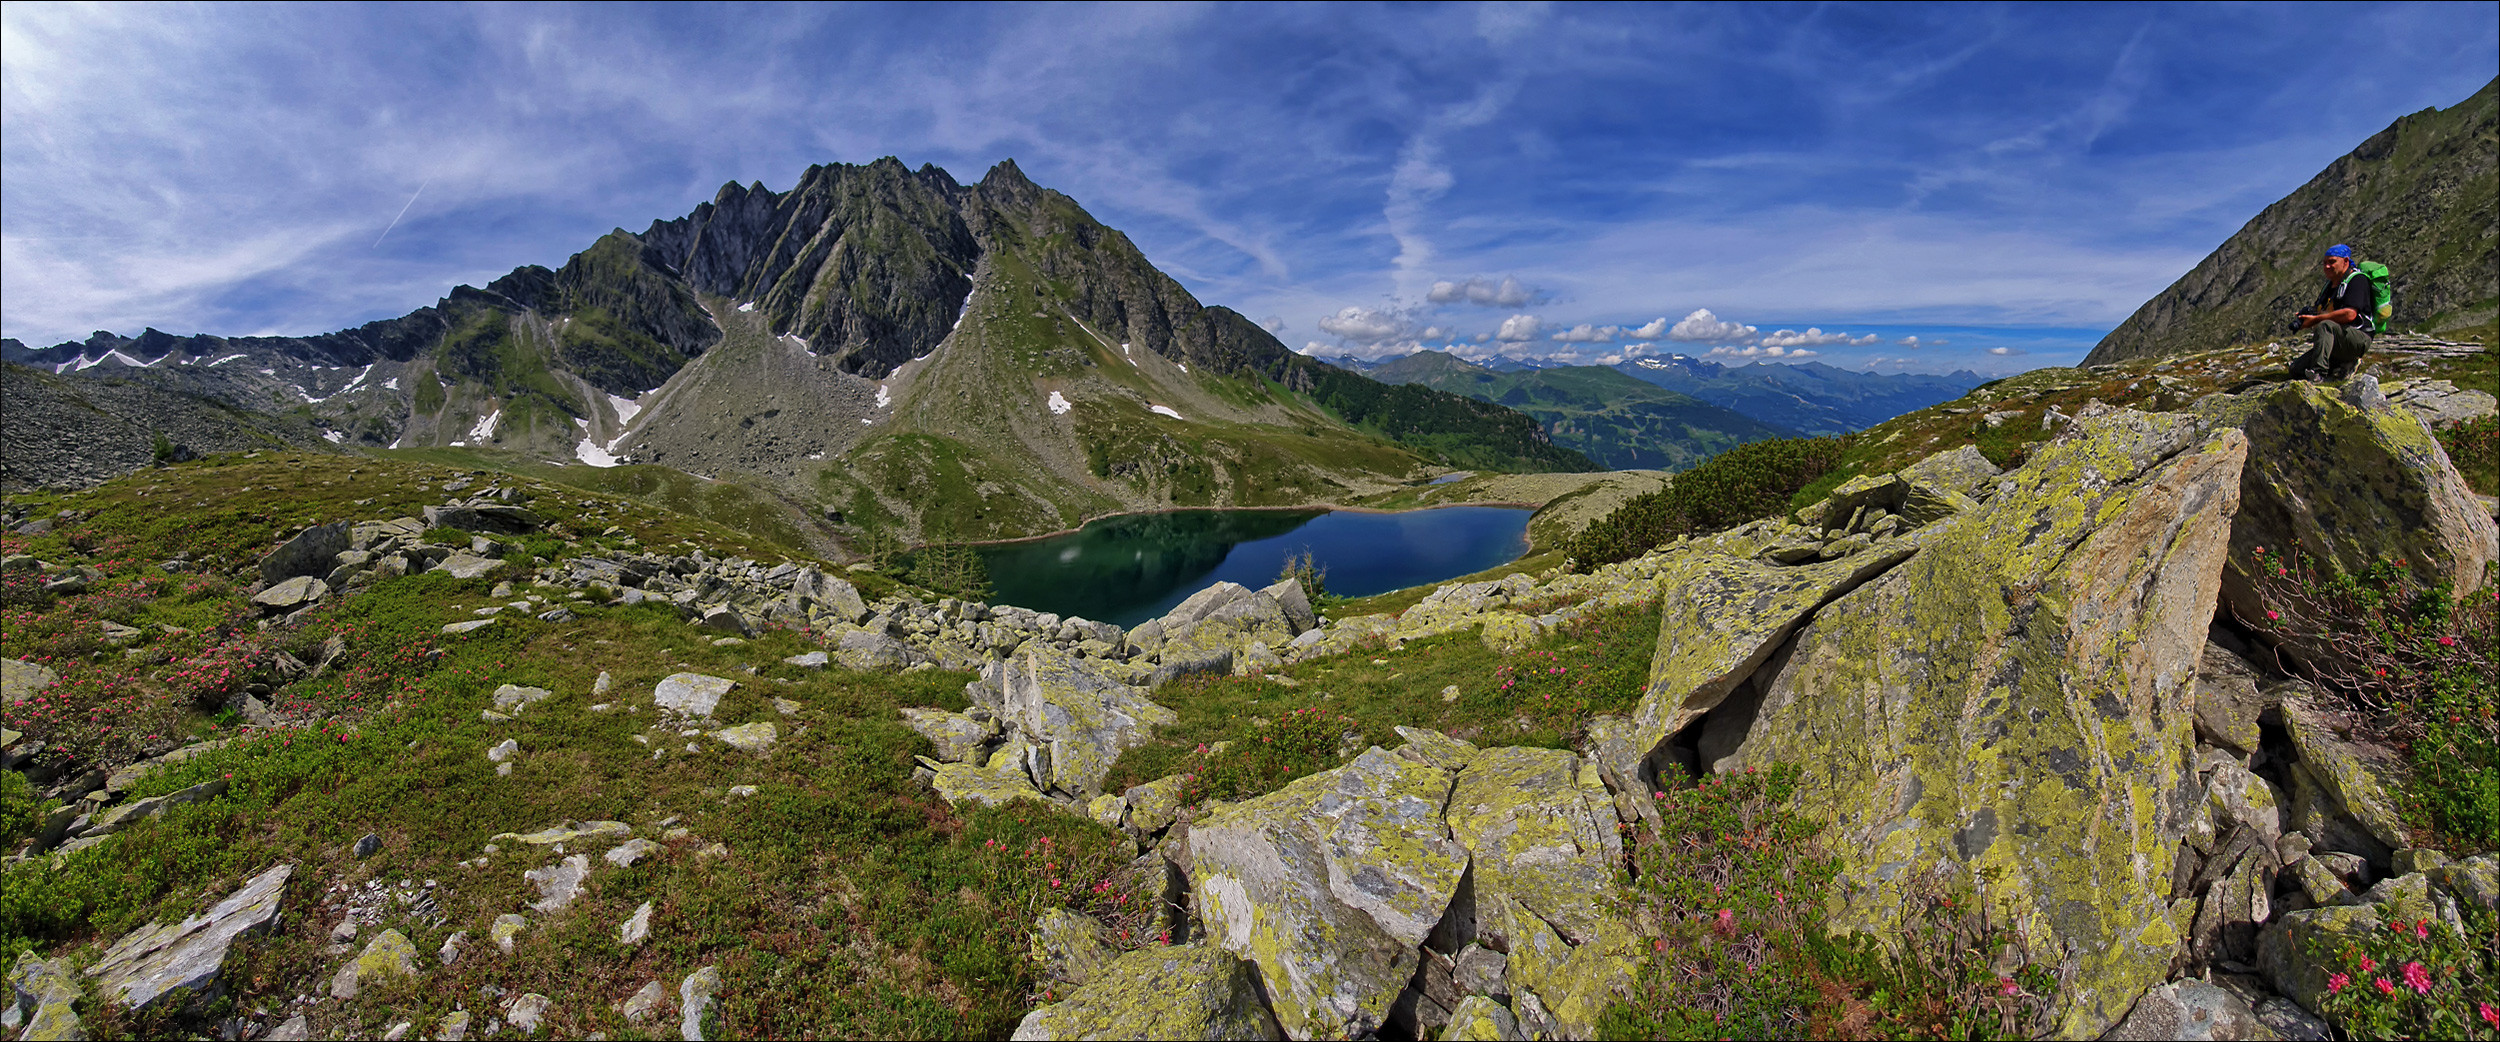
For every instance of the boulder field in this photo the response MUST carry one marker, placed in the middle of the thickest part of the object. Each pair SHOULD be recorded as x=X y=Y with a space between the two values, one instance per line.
x=2025 y=683
x=2029 y=685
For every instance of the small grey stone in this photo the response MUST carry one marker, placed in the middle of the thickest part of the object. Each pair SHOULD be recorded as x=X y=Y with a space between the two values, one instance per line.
x=398 y=1031
x=292 y=593
x=515 y=697
x=454 y=1027
x=472 y=626
x=507 y=927
x=693 y=694
x=503 y=750
x=526 y=1011
x=644 y=1006
x=632 y=850
x=811 y=660
x=750 y=738
x=637 y=928
x=368 y=845
x=21 y=680
x=694 y=997
x=558 y=884
x=294 y=1029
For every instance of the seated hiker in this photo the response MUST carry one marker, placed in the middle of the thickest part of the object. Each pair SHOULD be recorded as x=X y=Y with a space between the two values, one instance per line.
x=2341 y=321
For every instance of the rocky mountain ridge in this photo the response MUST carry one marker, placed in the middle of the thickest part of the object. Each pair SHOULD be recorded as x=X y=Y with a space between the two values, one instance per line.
x=2418 y=196
x=1007 y=361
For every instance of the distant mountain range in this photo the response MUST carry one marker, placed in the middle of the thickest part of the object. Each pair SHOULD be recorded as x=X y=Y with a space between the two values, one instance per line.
x=1790 y=399
x=2422 y=197
x=943 y=361
x=1621 y=422
x=1810 y=397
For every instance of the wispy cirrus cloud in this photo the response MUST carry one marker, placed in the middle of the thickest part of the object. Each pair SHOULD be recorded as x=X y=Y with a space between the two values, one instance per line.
x=1455 y=175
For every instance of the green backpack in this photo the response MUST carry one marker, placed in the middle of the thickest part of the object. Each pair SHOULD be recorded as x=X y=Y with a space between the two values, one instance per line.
x=2382 y=295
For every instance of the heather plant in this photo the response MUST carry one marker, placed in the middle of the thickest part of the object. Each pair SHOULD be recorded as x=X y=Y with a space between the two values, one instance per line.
x=2418 y=978
x=2474 y=447
x=1735 y=887
x=1268 y=755
x=2416 y=661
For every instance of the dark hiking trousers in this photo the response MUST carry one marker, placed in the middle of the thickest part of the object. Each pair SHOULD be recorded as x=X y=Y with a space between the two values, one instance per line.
x=2338 y=350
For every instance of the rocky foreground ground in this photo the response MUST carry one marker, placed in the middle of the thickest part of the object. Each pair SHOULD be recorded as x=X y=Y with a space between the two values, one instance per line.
x=2047 y=685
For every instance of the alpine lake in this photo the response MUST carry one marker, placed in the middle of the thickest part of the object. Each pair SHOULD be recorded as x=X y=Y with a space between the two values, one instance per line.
x=1128 y=569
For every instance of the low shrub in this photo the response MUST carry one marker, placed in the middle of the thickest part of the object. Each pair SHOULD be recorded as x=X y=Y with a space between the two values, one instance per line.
x=2419 y=664
x=2474 y=447
x=1739 y=485
x=2418 y=979
x=1268 y=755
x=1737 y=885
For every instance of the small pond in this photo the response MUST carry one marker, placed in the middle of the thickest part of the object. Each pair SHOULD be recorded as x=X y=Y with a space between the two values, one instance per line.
x=1126 y=570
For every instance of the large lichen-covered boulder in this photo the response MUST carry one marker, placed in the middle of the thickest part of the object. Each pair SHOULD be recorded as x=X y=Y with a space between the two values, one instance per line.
x=1329 y=885
x=1720 y=616
x=2347 y=486
x=1229 y=615
x=2014 y=704
x=154 y=960
x=2352 y=809
x=1086 y=719
x=958 y=737
x=988 y=786
x=1964 y=470
x=1191 y=991
x=1540 y=830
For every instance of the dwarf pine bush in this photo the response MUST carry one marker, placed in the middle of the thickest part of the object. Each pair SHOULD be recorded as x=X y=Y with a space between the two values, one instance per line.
x=1739 y=485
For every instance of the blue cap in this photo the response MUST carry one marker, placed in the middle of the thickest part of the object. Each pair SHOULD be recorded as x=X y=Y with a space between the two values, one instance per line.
x=2339 y=250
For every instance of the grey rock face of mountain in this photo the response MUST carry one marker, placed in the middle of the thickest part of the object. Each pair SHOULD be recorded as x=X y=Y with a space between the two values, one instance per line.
x=2422 y=197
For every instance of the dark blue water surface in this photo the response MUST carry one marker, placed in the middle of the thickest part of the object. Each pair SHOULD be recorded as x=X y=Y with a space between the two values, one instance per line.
x=1126 y=570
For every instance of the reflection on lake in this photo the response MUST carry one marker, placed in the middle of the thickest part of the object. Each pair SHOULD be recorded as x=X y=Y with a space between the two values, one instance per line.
x=1126 y=570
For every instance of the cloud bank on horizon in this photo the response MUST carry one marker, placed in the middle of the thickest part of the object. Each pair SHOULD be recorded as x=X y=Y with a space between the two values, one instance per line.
x=1841 y=183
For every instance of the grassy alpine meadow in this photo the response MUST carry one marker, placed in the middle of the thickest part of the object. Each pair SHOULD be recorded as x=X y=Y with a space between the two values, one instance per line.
x=835 y=897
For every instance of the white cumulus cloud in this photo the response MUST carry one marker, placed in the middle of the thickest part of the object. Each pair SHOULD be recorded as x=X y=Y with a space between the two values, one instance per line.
x=1815 y=337
x=1588 y=334
x=1508 y=293
x=1705 y=327
x=1364 y=325
x=1520 y=327
x=2004 y=351
x=1273 y=323
x=1437 y=333
x=1657 y=327
x=1762 y=351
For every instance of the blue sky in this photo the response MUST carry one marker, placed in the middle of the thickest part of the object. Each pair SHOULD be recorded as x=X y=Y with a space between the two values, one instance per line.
x=2013 y=180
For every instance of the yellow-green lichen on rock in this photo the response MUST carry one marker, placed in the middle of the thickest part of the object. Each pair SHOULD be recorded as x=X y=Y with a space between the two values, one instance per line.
x=1191 y=991
x=1720 y=615
x=2012 y=707
x=2347 y=486
x=958 y=783
x=1541 y=835
x=1088 y=719
x=1329 y=885
x=43 y=993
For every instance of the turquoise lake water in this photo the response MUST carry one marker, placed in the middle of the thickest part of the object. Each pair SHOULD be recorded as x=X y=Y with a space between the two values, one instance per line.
x=1126 y=570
